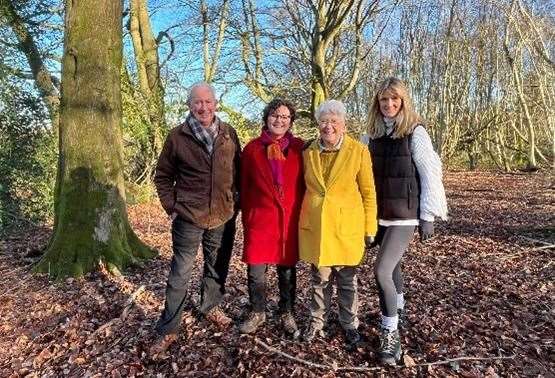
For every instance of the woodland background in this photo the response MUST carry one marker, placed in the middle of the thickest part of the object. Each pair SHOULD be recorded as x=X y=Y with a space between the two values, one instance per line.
x=480 y=72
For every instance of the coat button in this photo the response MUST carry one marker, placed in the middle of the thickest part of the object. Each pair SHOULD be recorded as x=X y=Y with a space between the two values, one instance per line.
x=322 y=194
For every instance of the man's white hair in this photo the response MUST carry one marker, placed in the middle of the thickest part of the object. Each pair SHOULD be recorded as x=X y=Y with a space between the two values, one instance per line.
x=331 y=107
x=200 y=84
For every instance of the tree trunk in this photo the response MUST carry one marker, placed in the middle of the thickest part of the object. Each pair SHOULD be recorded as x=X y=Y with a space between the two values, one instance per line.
x=517 y=79
x=319 y=93
x=211 y=61
x=148 y=70
x=91 y=219
x=328 y=22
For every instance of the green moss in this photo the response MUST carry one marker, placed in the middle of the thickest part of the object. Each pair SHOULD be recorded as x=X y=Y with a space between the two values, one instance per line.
x=92 y=227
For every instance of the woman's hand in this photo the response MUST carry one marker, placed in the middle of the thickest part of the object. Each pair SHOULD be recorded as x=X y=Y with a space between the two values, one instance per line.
x=369 y=242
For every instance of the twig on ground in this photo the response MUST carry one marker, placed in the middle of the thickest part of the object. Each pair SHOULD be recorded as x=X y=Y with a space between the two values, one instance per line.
x=128 y=305
x=131 y=301
x=549 y=246
x=305 y=362
x=536 y=240
x=364 y=368
x=504 y=256
x=464 y=358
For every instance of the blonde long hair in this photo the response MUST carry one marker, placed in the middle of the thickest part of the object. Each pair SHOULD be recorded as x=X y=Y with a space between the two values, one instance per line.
x=405 y=121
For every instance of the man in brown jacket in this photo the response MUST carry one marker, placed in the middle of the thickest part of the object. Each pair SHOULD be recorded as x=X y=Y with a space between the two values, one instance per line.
x=196 y=179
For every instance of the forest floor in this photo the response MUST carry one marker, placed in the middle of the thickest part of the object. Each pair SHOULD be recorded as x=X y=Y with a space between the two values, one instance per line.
x=482 y=289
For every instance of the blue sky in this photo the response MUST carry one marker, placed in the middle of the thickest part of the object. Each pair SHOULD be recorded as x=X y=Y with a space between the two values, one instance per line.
x=186 y=64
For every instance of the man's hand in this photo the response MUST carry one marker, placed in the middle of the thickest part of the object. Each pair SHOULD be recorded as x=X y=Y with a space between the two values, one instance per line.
x=426 y=230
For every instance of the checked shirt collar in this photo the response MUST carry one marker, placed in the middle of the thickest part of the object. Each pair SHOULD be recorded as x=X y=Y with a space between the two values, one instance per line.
x=205 y=135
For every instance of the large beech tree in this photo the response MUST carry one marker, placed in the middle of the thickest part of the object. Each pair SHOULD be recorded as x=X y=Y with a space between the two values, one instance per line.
x=91 y=225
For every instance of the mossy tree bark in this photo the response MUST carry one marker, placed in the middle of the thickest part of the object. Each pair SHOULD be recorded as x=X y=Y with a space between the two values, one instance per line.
x=91 y=219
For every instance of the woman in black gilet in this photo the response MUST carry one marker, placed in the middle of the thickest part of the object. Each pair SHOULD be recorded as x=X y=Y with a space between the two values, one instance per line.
x=410 y=194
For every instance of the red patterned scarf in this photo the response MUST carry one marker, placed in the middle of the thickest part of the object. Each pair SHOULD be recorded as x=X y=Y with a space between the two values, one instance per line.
x=274 y=152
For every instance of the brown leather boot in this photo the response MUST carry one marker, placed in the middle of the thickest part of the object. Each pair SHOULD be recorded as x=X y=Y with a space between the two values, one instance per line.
x=218 y=318
x=288 y=323
x=253 y=321
x=161 y=344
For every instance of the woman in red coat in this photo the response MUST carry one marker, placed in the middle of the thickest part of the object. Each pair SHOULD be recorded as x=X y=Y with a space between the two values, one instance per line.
x=272 y=189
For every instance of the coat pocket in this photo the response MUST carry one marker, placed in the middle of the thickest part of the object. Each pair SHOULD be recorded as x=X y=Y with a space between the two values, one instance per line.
x=304 y=217
x=304 y=222
x=350 y=222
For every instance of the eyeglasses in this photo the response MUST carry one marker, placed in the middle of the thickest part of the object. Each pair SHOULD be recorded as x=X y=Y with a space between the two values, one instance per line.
x=332 y=122
x=283 y=117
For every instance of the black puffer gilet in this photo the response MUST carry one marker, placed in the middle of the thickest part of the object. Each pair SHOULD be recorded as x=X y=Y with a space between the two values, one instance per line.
x=396 y=178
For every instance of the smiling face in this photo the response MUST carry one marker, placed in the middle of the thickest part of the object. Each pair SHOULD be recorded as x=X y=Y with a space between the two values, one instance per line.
x=332 y=127
x=279 y=122
x=390 y=104
x=203 y=105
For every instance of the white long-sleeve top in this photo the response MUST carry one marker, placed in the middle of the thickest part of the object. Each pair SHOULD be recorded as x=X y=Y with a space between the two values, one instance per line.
x=433 y=202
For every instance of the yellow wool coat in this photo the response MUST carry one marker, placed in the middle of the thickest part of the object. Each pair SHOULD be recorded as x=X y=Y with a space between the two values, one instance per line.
x=336 y=217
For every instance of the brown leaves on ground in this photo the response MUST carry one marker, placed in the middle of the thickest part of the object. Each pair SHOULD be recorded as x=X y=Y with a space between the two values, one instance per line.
x=483 y=287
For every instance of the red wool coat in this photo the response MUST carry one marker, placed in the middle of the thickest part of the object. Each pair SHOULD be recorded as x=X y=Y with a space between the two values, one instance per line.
x=270 y=223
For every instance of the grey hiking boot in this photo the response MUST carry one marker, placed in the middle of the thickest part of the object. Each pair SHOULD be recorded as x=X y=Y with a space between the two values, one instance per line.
x=390 y=347
x=288 y=323
x=252 y=322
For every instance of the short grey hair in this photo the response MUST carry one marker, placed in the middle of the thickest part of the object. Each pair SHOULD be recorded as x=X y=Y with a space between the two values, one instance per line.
x=331 y=107
x=200 y=84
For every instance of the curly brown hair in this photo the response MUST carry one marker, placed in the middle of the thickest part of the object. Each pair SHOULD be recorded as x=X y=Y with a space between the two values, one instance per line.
x=274 y=105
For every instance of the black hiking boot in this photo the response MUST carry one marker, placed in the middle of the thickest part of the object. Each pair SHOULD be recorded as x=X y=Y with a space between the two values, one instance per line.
x=352 y=337
x=390 y=347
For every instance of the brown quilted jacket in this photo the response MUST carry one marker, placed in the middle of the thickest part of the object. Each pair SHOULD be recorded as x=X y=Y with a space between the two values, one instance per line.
x=202 y=189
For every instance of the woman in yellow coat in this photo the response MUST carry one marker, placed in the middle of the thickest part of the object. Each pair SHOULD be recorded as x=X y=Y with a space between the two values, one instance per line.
x=338 y=217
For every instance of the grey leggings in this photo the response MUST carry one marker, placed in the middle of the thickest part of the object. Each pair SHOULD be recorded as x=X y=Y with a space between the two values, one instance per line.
x=393 y=241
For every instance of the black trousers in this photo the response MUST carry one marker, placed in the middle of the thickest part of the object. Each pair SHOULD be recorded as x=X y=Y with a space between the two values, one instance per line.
x=287 y=283
x=217 y=245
